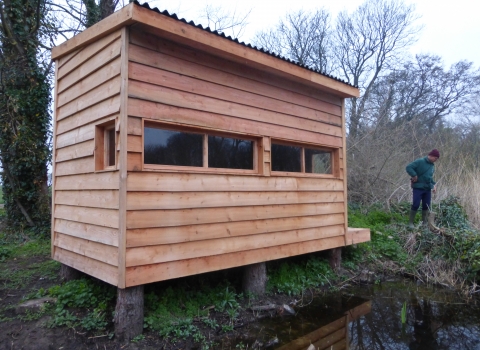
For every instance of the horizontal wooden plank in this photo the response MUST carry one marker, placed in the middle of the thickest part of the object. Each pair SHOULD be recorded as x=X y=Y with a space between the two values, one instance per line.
x=159 y=94
x=138 y=275
x=94 y=216
x=190 y=233
x=76 y=166
x=162 y=112
x=141 y=36
x=359 y=311
x=165 y=218
x=86 y=53
x=134 y=161
x=95 y=233
x=102 y=92
x=180 y=64
x=78 y=135
x=109 y=180
x=88 y=198
x=95 y=268
x=89 y=249
x=173 y=182
x=181 y=251
x=97 y=112
x=195 y=86
x=134 y=126
x=134 y=143
x=357 y=235
x=79 y=150
x=182 y=200
x=60 y=62
x=333 y=341
x=103 y=57
x=92 y=81
x=303 y=342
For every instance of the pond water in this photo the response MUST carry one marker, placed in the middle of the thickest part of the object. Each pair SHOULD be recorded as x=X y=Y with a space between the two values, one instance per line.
x=370 y=317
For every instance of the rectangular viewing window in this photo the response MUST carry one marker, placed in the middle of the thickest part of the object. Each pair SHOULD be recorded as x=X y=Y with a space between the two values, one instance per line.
x=318 y=161
x=301 y=159
x=169 y=147
x=286 y=158
x=230 y=153
x=197 y=148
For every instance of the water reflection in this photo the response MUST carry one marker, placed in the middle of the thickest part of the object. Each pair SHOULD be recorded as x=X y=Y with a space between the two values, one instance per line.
x=369 y=317
x=333 y=336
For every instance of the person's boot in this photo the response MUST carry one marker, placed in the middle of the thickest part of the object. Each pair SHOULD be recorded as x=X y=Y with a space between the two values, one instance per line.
x=425 y=218
x=412 y=218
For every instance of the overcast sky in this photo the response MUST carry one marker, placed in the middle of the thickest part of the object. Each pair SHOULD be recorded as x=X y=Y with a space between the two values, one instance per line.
x=451 y=28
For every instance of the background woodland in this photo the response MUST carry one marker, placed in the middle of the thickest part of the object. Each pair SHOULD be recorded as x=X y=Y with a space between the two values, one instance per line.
x=408 y=105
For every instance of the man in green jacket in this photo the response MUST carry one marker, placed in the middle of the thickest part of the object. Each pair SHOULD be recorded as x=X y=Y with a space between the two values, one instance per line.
x=421 y=173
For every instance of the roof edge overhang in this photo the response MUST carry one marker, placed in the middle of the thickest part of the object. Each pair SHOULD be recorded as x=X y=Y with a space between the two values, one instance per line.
x=201 y=39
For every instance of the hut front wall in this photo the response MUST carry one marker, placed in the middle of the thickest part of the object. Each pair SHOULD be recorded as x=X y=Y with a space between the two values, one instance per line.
x=86 y=200
x=184 y=222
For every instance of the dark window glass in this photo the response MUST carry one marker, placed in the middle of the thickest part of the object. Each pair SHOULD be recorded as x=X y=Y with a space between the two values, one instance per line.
x=317 y=161
x=110 y=147
x=286 y=158
x=169 y=147
x=226 y=152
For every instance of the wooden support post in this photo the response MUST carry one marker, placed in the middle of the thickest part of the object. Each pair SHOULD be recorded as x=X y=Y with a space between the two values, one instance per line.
x=68 y=273
x=129 y=313
x=255 y=278
x=335 y=258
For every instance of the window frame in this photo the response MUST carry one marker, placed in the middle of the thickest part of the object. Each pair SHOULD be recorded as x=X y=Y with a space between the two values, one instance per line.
x=205 y=133
x=102 y=145
x=334 y=156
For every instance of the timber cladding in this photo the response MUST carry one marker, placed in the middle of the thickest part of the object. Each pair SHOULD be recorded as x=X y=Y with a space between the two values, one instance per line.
x=186 y=222
x=125 y=217
x=86 y=204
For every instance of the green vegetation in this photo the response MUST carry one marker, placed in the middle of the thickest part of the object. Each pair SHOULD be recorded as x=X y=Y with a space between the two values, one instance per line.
x=449 y=256
x=1 y=195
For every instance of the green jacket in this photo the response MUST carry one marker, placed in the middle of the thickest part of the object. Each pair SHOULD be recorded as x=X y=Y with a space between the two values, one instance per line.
x=424 y=169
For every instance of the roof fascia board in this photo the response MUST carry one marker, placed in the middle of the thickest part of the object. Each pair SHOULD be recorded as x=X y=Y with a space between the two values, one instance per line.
x=117 y=20
x=189 y=35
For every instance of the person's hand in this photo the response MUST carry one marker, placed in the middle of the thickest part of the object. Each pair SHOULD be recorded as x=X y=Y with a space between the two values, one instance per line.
x=414 y=179
x=434 y=189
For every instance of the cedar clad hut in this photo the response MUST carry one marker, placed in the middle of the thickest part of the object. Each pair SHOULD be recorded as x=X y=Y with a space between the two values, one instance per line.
x=179 y=151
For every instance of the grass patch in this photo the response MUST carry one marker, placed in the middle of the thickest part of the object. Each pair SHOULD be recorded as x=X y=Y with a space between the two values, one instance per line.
x=449 y=257
x=294 y=276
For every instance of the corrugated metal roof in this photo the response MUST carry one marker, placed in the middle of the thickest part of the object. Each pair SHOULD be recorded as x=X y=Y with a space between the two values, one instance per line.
x=174 y=16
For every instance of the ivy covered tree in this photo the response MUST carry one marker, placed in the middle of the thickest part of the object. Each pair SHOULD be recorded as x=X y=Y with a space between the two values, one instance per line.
x=25 y=112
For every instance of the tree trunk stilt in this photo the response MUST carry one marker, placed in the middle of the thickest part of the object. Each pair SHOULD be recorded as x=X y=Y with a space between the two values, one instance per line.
x=68 y=273
x=255 y=278
x=335 y=259
x=129 y=313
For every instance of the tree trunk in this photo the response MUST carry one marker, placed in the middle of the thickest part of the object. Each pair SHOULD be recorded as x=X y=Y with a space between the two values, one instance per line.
x=255 y=278
x=335 y=258
x=129 y=313
x=68 y=273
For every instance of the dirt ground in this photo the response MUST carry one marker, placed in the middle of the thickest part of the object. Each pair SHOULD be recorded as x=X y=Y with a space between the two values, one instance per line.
x=24 y=332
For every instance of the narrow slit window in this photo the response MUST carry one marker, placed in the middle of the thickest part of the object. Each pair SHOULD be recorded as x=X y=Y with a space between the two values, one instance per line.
x=105 y=146
x=110 y=146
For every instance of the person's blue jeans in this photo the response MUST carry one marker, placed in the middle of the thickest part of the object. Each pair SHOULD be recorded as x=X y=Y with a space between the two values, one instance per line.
x=425 y=196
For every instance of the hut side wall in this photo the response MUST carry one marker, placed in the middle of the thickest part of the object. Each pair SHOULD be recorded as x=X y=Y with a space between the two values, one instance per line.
x=187 y=222
x=86 y=203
